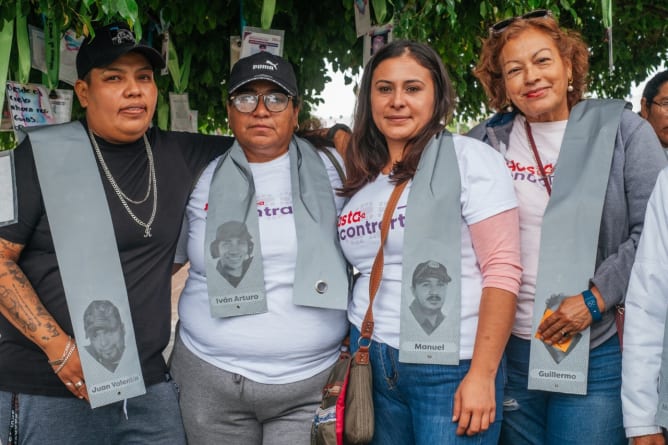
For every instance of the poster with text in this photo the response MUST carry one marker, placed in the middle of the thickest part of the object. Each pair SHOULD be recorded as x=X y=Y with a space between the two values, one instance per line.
x=29 y=105
x=256 y=40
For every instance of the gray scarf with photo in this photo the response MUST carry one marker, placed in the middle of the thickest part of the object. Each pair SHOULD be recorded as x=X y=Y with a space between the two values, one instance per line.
x=432 y=246
x=569 y=238
x=321 y=278
x=87 y=253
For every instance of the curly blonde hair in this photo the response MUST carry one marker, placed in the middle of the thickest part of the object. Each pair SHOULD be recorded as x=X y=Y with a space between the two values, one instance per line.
x=571 y=48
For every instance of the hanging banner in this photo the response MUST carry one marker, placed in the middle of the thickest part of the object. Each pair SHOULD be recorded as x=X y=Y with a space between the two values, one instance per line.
x=362 y=17
x=52 y=53
x=61 y=105
x=22 y=46
x=375 y=39
x=180 y=115
x=69 y=47
x=6 y=34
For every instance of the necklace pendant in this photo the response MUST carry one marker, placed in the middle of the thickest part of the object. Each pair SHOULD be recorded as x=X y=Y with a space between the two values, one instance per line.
x=147 y=233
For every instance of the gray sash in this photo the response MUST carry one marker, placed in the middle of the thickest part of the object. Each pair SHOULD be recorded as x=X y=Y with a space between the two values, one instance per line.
x=569 y=238
x=430 y=333
x=235 y=278
x=88 y=259
x=662 y=409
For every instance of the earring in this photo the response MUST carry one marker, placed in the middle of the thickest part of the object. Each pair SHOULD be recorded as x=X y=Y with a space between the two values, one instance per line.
x=510 y=108
x=570 y=86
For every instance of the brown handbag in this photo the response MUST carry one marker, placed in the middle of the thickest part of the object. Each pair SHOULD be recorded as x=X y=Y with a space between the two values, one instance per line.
x=346 y=414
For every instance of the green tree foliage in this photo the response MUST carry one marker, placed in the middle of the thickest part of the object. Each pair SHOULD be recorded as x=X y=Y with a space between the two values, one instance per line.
x=318 y=30
x=455 y=28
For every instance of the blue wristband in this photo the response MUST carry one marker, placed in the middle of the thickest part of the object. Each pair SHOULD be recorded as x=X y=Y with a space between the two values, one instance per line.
x=590 y=301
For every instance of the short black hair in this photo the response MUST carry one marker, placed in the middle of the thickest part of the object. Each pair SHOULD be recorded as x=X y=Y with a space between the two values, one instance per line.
x=654 y=85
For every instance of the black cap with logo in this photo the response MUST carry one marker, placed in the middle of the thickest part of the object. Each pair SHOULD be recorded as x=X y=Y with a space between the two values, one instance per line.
x=110 y=43
x=264 y=66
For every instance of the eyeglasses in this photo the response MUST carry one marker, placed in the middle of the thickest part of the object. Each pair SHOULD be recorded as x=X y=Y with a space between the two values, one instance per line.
x=662 y=105
x=247 y=102
x=501 y=26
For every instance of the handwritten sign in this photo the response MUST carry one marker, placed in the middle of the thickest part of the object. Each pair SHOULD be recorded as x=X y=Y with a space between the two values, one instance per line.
x=28 y=105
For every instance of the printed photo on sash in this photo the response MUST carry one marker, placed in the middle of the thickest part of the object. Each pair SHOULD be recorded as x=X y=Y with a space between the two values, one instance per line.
x=107 y=348
x=237 y=285
x=430 y=317
x=431 y=270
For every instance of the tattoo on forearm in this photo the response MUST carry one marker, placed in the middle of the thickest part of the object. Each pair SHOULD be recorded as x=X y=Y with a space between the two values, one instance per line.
x=52 y=329
x=17 y=310
x=18 y=301
x=17 y=275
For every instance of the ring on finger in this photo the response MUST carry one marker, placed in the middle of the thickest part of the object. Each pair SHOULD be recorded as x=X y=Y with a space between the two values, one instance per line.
x=79 y=384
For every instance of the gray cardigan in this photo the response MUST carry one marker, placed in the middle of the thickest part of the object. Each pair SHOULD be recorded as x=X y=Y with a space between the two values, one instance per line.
x=636 y=161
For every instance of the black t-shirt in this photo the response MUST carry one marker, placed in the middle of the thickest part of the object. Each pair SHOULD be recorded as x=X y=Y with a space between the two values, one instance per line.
x=146 y=262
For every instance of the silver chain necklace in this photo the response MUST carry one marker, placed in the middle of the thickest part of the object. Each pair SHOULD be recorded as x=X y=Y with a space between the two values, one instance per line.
x=152 y=184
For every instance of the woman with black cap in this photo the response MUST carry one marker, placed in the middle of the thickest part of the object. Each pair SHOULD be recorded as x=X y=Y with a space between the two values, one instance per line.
x=255 y=349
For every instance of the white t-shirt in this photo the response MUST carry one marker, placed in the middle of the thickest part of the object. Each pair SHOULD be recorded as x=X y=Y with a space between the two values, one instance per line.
x=486 y=191
x=532 y=197
x=286 y=344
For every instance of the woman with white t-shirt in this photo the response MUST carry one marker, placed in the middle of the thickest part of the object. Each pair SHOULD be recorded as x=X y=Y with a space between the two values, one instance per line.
x=583 y=171
x=453 y=246
x=262 y=314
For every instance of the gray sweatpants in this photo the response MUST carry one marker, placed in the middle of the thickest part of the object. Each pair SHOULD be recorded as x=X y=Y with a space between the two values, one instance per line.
x=221 y=407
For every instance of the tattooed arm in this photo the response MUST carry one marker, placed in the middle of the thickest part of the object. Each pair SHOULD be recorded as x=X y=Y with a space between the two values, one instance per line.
x=21 y=306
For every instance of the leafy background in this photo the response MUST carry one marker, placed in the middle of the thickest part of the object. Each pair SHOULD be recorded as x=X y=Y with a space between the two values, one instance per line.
x=315 y=31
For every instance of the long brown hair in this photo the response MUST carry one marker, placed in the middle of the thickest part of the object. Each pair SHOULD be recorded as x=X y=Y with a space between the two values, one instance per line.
x=367 y=152
x=569 y=43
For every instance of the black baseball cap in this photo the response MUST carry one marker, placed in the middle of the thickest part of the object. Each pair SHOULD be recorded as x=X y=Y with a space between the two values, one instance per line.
x=110 y=43
x=264 y=66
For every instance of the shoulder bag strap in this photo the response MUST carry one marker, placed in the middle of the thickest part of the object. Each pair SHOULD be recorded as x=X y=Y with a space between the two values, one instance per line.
x=362 y=355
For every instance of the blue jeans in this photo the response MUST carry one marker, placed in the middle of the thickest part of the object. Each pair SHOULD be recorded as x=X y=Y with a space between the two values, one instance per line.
x=550 y=418
x=153 y=418
x=413 y=403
